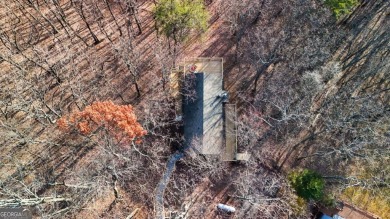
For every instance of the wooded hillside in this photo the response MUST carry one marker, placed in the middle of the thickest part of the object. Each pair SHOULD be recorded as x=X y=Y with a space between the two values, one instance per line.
x=311 y=87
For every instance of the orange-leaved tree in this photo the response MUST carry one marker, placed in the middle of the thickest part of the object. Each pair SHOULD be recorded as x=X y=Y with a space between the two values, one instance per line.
x=118 y=120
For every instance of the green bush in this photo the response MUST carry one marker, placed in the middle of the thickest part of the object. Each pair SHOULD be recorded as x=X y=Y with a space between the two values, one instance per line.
x=174 y=18
x=328 y=200
x=341 y=7
x=308 y=184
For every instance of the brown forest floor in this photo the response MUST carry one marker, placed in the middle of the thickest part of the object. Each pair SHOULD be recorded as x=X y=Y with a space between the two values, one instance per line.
x=30 y=141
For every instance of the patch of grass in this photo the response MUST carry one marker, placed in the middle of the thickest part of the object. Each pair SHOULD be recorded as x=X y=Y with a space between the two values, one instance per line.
x=299 y=206
x=341 y=7
x=374 y=201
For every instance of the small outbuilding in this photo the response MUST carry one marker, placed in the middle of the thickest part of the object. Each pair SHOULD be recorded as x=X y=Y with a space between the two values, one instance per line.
x=209 y=120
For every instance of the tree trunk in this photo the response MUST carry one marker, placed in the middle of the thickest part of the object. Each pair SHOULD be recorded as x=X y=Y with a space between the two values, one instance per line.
x=174 y=49
x=135 y=14
x=96 y=40
x=259 y=72
x=113 y=17
x=137 y=88
x=36 y=8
